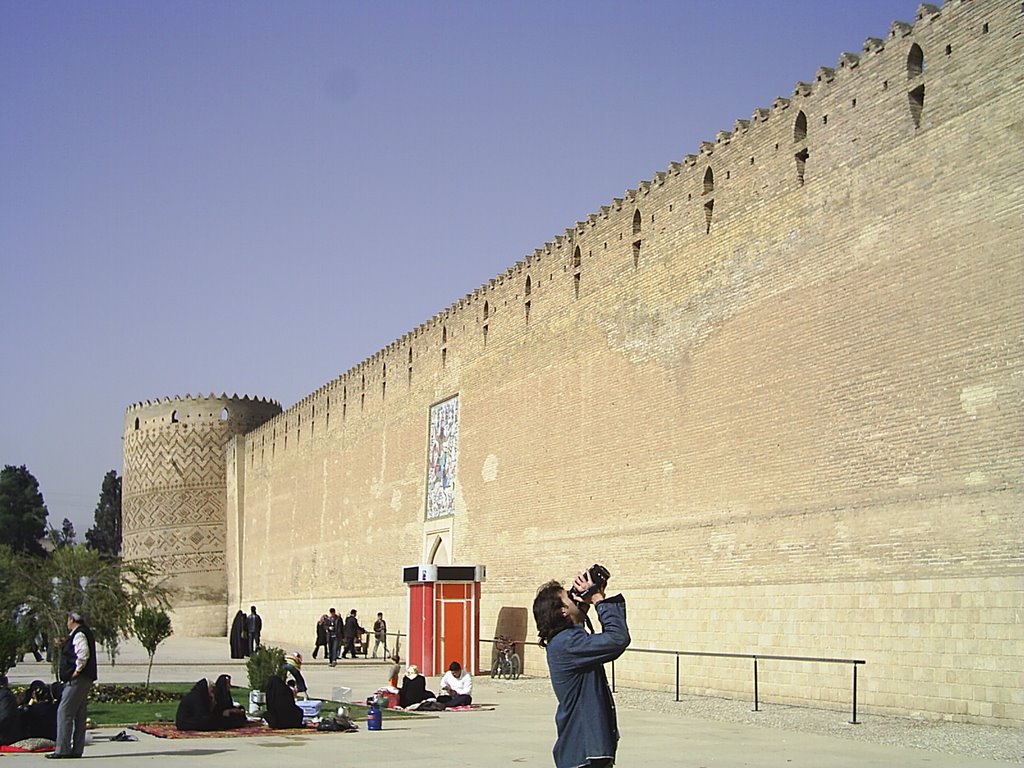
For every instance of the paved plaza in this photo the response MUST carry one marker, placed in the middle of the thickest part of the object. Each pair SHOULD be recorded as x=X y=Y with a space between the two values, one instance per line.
x=518 y=731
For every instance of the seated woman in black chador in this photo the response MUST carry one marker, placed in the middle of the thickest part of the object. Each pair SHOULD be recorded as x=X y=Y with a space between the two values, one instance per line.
x=10 y=715
x=195 y=712
x=39 y=712
x=224 y=710
x=282 y=711
x=414 y=688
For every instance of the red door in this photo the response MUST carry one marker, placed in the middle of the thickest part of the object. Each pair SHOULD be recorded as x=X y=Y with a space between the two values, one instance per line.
x=453 y=631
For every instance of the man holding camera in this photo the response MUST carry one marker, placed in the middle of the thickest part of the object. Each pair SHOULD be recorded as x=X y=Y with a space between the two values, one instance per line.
x=587 y=730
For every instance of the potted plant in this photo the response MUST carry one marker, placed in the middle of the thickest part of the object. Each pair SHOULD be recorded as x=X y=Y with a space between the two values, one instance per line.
x=264 y=662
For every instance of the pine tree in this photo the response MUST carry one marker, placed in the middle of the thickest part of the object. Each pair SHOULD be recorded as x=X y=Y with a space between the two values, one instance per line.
x=22 y=510
x=105 y=534
x=65 y=537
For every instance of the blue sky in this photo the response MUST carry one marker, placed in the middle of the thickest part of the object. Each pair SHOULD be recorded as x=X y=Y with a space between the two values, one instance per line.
x=253 y=197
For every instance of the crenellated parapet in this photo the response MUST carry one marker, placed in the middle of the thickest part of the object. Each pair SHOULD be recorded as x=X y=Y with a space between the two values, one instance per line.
x=241 y=411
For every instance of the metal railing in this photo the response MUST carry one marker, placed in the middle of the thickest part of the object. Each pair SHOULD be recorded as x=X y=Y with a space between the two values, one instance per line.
x=755 y=657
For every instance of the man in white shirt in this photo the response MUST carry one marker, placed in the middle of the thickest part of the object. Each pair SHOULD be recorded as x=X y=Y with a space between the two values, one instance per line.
x=456 y=687
x=77 y=670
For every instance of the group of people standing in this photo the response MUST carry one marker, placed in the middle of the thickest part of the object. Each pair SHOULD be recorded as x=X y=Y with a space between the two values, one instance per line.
x=332 y=630
x=245 y=633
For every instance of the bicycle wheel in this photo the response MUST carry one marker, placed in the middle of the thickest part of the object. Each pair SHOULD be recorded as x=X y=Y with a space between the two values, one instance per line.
x=496 y=669
x=517 y=666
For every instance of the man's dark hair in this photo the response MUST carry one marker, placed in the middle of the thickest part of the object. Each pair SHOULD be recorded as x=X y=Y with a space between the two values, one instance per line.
x=252 y=608
x=547 y=612
x=454 y=666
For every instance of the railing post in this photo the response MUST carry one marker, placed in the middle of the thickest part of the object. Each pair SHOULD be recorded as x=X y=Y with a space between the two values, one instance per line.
x=854 y=720
x=677 y=677
x=755 y=685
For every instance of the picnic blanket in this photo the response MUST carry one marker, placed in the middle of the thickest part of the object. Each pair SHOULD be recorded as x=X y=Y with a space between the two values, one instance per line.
x=170 y=731
x=29 y=745
x=430 y=709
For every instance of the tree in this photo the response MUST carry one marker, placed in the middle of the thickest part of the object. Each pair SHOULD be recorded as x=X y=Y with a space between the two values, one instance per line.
x=105 y=534
x=22 y=510
x=65 y=537
x=152 y=626
x=12 y=581
x=11 y=641
x=108 y=591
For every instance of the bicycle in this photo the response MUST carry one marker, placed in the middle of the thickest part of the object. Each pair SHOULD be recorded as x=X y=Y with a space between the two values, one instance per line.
x=508 y=664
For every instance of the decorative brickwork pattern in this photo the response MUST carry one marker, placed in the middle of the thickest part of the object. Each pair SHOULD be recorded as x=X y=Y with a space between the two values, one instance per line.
x=173 y=490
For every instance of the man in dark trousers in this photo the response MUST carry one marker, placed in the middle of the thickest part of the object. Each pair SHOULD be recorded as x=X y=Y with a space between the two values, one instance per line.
x=78 y=671
x=352 y=630
x=380 y=635
x=334 y=629
x=588 y=732
x=253 y=626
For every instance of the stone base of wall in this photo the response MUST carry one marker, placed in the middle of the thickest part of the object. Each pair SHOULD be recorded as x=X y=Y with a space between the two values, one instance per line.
x=199 y=621
x=198 y=605
x=935 y=648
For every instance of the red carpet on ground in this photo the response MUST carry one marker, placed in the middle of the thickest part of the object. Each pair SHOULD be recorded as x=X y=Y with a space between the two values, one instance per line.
x=13 y=750
x=170 y=731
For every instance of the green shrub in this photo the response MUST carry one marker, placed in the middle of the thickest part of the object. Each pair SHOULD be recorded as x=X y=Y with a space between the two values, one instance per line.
x=264 y=662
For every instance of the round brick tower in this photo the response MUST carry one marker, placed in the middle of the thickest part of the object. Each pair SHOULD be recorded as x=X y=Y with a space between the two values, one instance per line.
x=173 y=497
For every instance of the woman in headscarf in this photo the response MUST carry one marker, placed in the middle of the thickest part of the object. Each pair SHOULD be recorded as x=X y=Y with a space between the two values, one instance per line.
x=282 y=711
x=414 y=688
x=225 y=711
x=321 y=636
x=238 y=638
x=39 y=712
x=195 y=711
x=10 y=715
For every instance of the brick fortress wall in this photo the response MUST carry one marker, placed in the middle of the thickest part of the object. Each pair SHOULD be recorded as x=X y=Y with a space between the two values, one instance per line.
x=776 y=389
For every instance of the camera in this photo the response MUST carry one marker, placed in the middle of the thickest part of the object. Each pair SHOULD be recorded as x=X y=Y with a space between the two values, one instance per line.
x=599 y=575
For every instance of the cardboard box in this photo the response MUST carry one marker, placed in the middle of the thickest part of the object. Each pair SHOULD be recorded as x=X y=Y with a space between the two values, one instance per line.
x=310 y=709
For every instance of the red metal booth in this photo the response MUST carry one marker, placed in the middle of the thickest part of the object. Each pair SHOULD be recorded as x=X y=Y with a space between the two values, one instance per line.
x=444 y=616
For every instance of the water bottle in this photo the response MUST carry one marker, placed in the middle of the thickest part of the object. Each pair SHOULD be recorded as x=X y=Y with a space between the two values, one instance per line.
x=373 y=714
